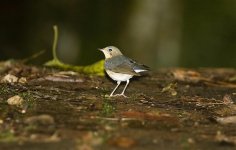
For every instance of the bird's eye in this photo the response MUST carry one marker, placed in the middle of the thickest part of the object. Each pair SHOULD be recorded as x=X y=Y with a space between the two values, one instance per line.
x=110 y=49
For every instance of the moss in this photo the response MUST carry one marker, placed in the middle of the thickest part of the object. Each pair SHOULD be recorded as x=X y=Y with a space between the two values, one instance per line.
x=107 y=108
x=29 y=100
x=7 y=136
x=94 y=69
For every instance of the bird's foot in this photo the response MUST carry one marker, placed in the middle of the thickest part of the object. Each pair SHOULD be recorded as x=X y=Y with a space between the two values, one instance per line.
x=119 y=95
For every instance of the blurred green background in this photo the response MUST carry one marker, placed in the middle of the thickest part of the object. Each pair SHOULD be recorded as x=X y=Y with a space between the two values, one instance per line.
x=159 y=33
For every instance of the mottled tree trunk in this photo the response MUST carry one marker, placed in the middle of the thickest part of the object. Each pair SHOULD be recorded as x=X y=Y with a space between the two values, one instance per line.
x=154 y=32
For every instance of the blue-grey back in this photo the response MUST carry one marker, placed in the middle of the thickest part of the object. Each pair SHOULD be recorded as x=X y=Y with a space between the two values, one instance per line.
x=121 y=60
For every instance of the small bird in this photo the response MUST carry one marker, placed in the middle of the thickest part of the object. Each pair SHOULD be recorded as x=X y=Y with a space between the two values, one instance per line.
x=121 y=68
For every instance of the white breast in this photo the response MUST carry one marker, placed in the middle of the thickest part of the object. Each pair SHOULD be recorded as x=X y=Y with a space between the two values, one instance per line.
x=118 y=76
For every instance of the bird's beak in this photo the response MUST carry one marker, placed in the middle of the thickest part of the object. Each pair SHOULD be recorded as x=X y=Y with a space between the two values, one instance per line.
x=100 y=49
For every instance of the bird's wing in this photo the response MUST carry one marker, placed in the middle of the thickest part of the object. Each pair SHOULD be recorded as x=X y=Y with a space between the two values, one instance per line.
x=137 y=67
x=122 y=64
x=125 y=69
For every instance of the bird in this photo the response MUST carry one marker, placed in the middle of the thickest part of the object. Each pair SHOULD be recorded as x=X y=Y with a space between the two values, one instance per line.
x=121 y=68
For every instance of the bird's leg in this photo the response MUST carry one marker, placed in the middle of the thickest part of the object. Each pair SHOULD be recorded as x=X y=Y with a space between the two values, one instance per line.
x=118 y=83
x=123 y=92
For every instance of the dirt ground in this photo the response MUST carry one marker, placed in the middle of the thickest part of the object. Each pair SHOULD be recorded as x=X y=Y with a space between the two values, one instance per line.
x=42 y=108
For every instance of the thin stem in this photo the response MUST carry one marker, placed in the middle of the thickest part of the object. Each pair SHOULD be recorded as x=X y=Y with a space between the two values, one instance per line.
x=55 y=40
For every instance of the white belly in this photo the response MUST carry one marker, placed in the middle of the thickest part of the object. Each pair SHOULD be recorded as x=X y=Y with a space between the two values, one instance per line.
x=118 y=76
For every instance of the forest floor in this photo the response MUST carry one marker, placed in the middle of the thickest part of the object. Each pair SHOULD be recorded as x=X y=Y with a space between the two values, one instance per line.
x=176 y=108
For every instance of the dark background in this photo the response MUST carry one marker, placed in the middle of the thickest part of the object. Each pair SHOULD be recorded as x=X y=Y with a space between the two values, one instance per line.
x=159 y=33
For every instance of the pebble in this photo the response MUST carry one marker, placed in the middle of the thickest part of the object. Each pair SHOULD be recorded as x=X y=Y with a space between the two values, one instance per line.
x=9 y=79
x=22 y=80
x=15 y=100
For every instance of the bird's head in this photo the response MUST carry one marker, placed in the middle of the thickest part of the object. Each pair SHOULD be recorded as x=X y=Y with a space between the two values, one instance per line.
x=110 y=51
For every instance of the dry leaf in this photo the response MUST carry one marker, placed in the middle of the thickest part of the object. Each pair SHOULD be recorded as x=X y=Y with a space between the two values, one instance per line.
x=186 y=75
x=226 y=120
x=41 y=119
x=123 y=142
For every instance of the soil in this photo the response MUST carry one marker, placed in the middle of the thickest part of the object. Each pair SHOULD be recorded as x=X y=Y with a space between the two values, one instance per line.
x=167 y=109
